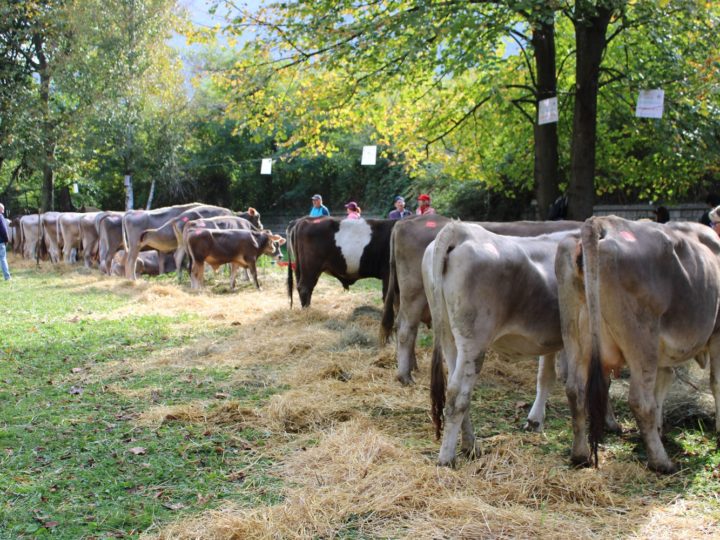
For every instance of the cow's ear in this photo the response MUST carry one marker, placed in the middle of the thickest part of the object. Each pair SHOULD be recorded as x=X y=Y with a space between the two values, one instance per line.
x=277 y=238
x=251 y=211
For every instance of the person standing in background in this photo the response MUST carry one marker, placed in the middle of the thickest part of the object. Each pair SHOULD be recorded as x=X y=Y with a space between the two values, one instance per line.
x=318 y=208
x=3 y=244
x=400 y=212
x=424 y=205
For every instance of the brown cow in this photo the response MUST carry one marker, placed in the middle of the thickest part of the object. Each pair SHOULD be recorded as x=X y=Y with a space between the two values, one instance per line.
x=89 y=238
x=69 y=230
x=147 y=263
x=239 y=248
x=408 y=241
x=644 y=294
x=51 y=235
x=135 y=222
x=487 y=291
x=31 y=231
x=109 y=228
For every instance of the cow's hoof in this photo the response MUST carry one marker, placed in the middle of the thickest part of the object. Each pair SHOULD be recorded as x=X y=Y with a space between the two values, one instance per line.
x=450 y=463
x=613 y=427
x=667 y=467
x=405 y=380
x=580 y=462
x=533 y=425
x=470 y=452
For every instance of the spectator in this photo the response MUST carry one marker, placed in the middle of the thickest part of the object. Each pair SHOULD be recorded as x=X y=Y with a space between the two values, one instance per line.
x=424 y=205
x=3 y=244
x=353 y=210
x=662 y=215
x=712 y=200
x=318 y=208
x=400 y=212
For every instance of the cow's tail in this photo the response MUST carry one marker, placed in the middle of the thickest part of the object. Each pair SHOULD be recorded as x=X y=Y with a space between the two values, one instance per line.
x=290 y=233
x=126 y=241
x=388 y=315
x=444 y=244
x=596 y=390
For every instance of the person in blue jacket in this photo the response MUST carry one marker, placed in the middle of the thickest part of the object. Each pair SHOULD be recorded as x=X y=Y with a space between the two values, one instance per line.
x=3 y=243
x=318 y=208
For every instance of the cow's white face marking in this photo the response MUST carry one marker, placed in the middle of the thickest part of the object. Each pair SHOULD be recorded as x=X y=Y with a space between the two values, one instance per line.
x=352 y=238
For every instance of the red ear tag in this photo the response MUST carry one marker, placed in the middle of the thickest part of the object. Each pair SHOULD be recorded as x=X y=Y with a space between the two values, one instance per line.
x=185 y=219
x=627 y=235
x=431 y=224
x=318 y=220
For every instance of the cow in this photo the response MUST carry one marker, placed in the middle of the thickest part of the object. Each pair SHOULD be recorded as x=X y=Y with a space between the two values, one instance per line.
x=31 y=230
x=239 y=248
x=17 y=237
x=109 y=229
x=51 y=235
x=89 y=238
x=135 y=222
x=147 y=263
x=642 y=294
x=408 y=241
x=348 y=250
x=487 y=291
x=248 y=220
x=69 y=230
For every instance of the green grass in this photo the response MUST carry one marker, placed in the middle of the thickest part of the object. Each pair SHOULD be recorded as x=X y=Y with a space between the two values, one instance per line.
x=69 y=460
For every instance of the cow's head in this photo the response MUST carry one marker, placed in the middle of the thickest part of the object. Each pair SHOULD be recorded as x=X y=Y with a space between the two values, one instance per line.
x=272 y=249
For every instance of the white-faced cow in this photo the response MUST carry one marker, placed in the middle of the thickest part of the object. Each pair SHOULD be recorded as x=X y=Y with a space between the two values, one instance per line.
x=405 y=294
x=239 y=248
x=135 y=222
x=642 y=294
x=346 y=249
x=109 y=229
x=487 y=291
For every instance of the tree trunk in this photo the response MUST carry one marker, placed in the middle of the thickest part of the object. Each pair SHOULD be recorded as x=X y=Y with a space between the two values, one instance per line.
x=47 y=201
x=590 y=30
x=546 y=136
x=129 y=199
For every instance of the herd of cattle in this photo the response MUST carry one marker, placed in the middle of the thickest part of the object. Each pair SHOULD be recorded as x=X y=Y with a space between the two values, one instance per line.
x=592 y=296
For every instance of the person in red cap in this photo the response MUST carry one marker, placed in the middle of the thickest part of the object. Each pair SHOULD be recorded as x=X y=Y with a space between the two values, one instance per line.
x=353 y=210
x=424 y=205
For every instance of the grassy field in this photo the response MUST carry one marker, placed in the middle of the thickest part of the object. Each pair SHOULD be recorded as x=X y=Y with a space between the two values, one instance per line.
x=144 y=409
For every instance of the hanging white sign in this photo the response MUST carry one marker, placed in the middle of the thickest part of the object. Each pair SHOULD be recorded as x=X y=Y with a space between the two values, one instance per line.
x=547 y=111
x=650 y=104
x=369 y=155
x=266 y=166
x=76 y=189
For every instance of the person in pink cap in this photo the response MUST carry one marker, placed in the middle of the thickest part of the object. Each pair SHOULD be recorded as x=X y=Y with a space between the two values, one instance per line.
x=353 y=210
x=424 y=205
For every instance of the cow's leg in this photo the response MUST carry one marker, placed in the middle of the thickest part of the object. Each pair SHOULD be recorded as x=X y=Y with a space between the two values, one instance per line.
x=408 y=319
x=611 y=424
x=575 y=391
x=665 y=377
x=253 y=272
x=233 y=275
x=545 y=379
x=130 y=258
x=306 y=284
x=459 y=395
x=715 y=387
x=197 y=275
x=468 y=436
x=179 y=259
x=644 y=408
x=161 y=263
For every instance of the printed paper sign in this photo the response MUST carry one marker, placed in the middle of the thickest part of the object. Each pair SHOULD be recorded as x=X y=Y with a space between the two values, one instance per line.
x=369 y=155
x=76 y=189
x=650 y=104
x=547 y=111
x=266 y=166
